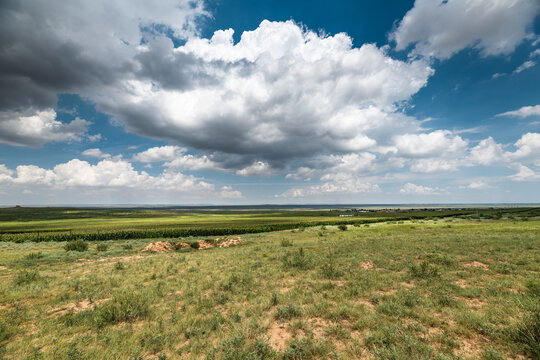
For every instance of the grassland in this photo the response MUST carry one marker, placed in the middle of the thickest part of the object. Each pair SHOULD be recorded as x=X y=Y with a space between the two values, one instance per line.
x=452 y=288
x=62 y=224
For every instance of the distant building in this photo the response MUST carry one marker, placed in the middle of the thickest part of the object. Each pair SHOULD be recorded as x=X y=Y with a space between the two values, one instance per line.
x=344 y=215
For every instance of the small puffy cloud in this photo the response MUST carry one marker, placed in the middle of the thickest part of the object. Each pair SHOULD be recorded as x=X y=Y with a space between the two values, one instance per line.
x=411 y=188
x=159 y=154
x=439 y=143
x=440 y=28
x=525 y=174
x=478 y=185
x=97 y=153
x=523 y=112
x=258 y=168
x=486 y=152
x=528 y=147
x=35 y=128
x=228 y=193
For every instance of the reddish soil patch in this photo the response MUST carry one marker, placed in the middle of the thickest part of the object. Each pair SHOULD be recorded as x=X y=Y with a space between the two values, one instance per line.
x=366 y=265
x=476 y=264
x=230 y=242
x=182 y=246
x=159 y=247
x=203 y=245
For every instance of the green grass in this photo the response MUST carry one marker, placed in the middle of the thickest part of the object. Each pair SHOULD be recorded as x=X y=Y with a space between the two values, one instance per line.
x=395 y=290
x=63 y=224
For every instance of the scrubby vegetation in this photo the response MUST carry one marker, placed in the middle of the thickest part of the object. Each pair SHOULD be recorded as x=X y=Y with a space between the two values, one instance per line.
x=400 y=289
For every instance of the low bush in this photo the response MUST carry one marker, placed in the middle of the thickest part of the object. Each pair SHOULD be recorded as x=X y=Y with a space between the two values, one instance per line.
x=102 y=247
x=342 y=227
x=286 y=242
x=423 y=271
x=287 y=312
x=76 y=245
x=527 y=333
x=296 y=259
x=26 y=277
x=125 y=306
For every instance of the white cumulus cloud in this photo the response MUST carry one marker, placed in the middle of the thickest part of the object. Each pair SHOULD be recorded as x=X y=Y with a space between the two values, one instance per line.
x=441 y=28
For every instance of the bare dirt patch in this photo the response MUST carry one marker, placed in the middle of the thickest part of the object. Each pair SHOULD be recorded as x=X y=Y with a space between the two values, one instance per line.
x=462 y=283
x=386 y=292
x=182 y=246
x=279 y=336
x=229 y=242
x=2 y=267
x=318 y=326
x=477 y=265
x=203 y=245
x=365 y=302
x=367 y=265
x=470 y=348
x=159 y=247
x=473 y=303
x=75 y=307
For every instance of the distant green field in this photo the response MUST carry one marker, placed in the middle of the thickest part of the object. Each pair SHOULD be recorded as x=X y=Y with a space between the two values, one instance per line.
x=46 y=224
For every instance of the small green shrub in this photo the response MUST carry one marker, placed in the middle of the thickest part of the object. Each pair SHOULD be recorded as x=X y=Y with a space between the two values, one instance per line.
x=296 y=259
x=34 y=256
x=102 y=247
x=125 y=306
x=527 y=333
x=119 y=266
x=342 y=227
x=330 y=270
x=423 y=271
x=127 y=247
x=287 y=312
x=6 y=331
x=26 y=277
x=274 y=300
x=76 y=245
x=286 y=242
x=193 y=244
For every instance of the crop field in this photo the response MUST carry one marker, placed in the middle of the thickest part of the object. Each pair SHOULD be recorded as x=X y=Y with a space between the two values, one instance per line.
x=62 y=224
x=462 y=285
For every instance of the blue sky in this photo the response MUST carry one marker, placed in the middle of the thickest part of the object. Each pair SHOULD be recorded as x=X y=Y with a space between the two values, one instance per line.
x=240 y=102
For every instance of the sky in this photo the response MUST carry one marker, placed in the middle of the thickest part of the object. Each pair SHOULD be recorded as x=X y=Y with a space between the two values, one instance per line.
x=282 y=102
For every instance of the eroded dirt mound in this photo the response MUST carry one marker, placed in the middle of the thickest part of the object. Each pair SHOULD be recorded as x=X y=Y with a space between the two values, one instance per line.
x=230 y=242
x=182 y=246
x=203 y=245
x=160 y=247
